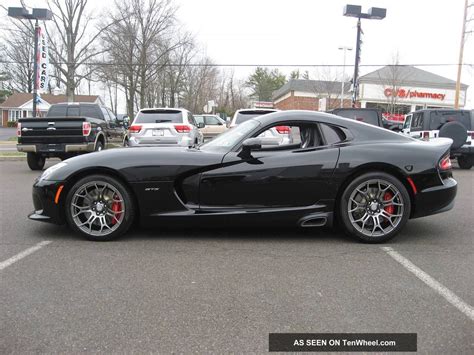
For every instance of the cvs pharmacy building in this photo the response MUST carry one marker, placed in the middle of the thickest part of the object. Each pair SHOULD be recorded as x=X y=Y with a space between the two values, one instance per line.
x=398 y=90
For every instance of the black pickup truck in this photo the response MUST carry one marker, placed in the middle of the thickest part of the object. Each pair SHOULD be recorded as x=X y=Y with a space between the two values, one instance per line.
x=371 y=116
x=68 y=129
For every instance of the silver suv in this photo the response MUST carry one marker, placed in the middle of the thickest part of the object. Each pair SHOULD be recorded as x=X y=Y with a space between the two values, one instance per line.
x=164 y=127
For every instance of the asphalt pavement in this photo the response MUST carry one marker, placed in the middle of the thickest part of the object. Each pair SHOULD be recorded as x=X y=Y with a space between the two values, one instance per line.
x=178 y=290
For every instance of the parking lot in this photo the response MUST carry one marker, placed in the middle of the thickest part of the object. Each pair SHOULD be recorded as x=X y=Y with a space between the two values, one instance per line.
x=216 y=290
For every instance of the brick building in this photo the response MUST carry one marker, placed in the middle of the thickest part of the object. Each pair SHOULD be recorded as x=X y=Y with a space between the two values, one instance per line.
x=396 y=91
x=315 y=95
x=20 y=105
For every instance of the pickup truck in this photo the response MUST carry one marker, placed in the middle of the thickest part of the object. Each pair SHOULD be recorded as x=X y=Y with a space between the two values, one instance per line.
x=371 y=116
x=68 y=129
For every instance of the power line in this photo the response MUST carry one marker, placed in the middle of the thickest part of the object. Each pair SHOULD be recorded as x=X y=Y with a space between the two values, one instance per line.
x=244 y=65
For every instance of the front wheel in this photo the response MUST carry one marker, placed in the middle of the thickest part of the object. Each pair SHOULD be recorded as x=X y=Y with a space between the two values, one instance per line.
x=374 y=207
x=100 y=208
x=465 y=162
x=35 y=161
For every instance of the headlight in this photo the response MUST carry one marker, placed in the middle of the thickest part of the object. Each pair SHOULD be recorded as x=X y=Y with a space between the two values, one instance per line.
x=47 y=173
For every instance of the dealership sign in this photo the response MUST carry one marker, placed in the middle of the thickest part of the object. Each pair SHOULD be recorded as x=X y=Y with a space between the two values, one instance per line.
x=42 y=60
x=408 y=93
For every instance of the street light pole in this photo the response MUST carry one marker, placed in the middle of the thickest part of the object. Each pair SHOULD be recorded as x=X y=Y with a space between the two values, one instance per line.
x=344 y=48
x=374 y=13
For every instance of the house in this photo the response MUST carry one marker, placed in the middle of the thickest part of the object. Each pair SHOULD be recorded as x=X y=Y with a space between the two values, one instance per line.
x=20 y=105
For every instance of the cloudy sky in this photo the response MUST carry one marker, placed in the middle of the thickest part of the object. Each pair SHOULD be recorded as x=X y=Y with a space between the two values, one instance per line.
x=301 y=32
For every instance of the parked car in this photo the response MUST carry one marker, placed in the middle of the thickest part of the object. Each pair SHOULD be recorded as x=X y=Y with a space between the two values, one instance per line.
x=274 y=136
x=365 y=178
x=213 y=125
x=455 y=124
x=68 y=129
x=371 y=116
x=164 y=127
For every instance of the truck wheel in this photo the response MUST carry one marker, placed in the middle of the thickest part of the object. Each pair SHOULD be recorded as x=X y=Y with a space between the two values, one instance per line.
x=465 y=162
x=99 y=146
x=35 y=161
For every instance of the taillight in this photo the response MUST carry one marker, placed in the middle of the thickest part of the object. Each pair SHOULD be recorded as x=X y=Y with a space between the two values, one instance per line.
x=182 y=128
x=86 y=128
x=426 y=135
x=445 y=163
x=135 y=129
x=18 y=129
x=283 y=129
x=471 y=133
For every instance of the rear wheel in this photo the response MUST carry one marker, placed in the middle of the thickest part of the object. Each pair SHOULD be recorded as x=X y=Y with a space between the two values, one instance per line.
x=100 y=208
x=99 y=146
x=465 y=162
x=35 y=161
x=374 y=207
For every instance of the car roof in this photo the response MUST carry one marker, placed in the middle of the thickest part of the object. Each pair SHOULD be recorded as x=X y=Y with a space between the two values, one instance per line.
x=362 y=130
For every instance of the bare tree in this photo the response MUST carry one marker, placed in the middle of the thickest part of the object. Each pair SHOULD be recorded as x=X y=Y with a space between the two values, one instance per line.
x=73 y=42
x=327 y=86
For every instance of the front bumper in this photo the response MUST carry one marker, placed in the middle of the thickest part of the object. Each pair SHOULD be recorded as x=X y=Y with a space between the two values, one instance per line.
x=55 y=148
x=46 y=210
x=436 y=199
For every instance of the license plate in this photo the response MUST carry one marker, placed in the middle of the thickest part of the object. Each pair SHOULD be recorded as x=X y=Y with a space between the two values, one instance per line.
x=158 y=132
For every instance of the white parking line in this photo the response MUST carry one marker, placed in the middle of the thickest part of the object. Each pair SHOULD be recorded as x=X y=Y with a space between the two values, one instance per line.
x=24 y=253
x=431 y=282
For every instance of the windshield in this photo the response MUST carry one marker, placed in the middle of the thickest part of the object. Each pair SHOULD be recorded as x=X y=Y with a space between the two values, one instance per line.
x=230 y=138
x=367 y=116
x=247 y=115
x=159 y=116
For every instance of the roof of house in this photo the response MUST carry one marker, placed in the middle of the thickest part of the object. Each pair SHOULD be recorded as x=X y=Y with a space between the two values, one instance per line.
x=312 y=86
x=18 y=99
x=408 y=75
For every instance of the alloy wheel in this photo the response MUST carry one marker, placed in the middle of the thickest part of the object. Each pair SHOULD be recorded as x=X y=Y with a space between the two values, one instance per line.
x=97 y=208
x=375 y=207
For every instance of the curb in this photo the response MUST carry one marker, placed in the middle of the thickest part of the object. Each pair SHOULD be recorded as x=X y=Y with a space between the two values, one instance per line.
x=12 y=158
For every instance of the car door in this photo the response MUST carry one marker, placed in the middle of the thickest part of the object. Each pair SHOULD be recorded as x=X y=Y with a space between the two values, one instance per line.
x=281 y=178
x=112 y=137
x=213 y=126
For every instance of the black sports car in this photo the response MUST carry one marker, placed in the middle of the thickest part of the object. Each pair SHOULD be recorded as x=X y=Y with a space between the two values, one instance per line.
x=366 y=179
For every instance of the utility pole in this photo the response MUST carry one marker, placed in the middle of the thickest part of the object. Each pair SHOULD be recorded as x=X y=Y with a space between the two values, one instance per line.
x=343 y=48
x=461 y=54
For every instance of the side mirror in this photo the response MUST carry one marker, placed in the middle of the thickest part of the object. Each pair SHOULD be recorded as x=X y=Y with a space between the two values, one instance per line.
x=248 y=145
x=201 y=125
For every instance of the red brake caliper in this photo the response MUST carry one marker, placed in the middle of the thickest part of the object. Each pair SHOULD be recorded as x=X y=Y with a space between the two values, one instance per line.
x=389 y=208
x=116 y=207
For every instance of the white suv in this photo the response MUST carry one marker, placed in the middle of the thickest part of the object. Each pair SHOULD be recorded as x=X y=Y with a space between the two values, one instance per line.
x=274 y=136
x=164 y=127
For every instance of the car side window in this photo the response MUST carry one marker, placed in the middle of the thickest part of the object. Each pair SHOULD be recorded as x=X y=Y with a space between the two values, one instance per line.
x=106 y=114
x=199 y=119
x=191 y=119
x=291 y=137
x=417 y=122
x=332 y=135
x=111 y=114
x=212 y=121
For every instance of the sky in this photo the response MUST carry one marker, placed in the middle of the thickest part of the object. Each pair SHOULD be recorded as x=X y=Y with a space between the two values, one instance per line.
x=266 y=32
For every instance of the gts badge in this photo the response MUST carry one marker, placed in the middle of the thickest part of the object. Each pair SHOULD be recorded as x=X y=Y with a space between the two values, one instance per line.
x=151 y=189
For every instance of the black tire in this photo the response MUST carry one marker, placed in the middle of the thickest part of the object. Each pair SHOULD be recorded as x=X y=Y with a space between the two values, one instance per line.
x=343 y=211
x=35 y=161
x=465 y=162
x=99 y=146
x=128 y=206
x=456 y=131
